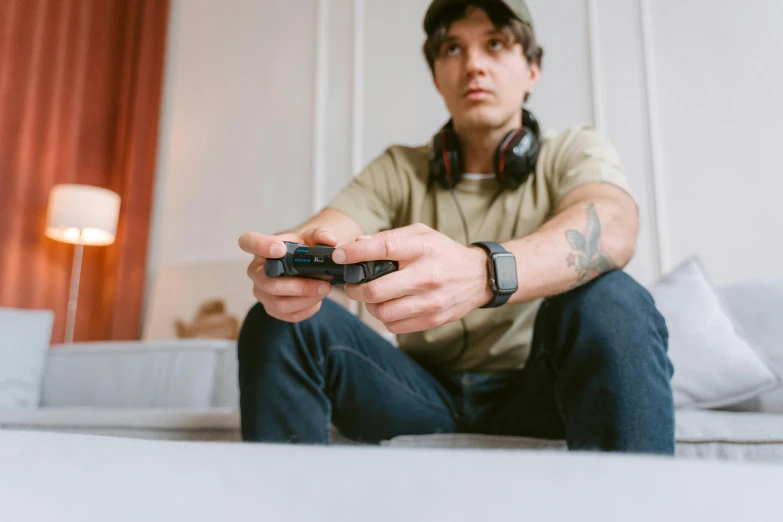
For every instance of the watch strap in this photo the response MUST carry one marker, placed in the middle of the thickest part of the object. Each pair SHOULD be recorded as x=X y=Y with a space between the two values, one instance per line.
x=493 y=248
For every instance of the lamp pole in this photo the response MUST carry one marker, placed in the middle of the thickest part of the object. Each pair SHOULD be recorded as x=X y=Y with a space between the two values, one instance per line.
x=73 y=294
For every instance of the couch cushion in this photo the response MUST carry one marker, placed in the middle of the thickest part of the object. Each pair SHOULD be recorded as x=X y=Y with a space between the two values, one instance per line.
x=24 y=340
x=128 y=374
x=715 y=363
x=730 y=435
x=226 y=389
x=758 y=307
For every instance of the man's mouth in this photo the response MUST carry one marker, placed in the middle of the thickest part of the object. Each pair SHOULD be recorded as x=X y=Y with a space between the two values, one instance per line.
x=477 y=94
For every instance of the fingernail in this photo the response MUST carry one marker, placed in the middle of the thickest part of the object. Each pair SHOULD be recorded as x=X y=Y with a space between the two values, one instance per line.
x=323 y=289
x=361 y=238
x=277 y=251
x=338 y=255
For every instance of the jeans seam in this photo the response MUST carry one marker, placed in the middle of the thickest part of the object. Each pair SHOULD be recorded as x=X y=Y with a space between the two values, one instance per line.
x=388 y=377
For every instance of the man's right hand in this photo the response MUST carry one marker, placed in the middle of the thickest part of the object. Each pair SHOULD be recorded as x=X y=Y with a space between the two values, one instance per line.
x=290 y=299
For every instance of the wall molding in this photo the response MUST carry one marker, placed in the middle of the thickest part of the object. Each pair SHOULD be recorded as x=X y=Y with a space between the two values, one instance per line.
x=596 y=76
x=357 y=127
x=662 y=229
x=320 y=93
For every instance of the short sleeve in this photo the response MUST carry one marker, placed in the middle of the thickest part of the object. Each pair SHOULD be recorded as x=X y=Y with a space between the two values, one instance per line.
x=582 y=155
x=376 y=196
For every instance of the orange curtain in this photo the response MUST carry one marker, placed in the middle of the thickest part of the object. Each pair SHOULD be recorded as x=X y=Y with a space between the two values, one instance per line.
x=80 y=94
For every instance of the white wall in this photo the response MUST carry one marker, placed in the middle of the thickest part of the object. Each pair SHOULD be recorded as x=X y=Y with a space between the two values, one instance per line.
x=271 y=106
x=720 y=79
x=236 y=145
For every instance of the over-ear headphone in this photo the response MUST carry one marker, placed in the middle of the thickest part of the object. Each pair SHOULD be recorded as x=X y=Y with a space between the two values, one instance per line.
x=514 y=159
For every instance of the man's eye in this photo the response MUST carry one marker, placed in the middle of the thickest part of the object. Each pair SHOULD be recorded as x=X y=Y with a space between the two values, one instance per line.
x=452 y=49
x=495 y=45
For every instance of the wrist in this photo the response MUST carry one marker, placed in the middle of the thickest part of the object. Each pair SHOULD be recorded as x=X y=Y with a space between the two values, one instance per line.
x=480 y=291
x=502 y=273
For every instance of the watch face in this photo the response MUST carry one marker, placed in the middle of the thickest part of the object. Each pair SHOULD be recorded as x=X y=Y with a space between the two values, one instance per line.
x=506 y=272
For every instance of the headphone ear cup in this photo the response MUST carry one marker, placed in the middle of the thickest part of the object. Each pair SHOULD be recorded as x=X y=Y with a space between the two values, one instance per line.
x=516 y=156
x=445 y=159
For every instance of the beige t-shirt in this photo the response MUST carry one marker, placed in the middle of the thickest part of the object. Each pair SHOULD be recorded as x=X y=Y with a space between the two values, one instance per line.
x=392 y=192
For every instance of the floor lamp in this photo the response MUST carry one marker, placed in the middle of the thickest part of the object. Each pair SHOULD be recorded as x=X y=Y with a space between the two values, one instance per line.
x=81 y=215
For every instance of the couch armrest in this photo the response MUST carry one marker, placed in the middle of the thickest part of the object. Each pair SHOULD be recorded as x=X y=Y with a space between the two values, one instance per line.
x=133 y=374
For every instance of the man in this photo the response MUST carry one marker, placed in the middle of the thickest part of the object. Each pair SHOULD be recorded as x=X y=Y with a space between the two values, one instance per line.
x=554 y=342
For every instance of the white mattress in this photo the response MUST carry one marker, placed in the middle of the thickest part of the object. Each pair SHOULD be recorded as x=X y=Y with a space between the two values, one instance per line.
x=69 y=478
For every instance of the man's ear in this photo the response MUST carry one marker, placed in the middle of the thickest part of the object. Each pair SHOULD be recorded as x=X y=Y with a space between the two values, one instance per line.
x=535 y=74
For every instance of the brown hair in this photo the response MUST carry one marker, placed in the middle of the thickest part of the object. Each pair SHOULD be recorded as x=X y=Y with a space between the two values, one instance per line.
x=501 y=18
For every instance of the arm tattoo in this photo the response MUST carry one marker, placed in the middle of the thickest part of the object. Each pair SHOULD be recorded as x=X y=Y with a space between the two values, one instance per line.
x=588 y=258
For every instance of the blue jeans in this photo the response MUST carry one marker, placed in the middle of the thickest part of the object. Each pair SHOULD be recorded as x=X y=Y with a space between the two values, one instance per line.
x=598 y=376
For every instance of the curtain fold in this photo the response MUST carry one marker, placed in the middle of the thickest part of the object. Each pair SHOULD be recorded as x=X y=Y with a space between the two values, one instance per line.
x=80 y=94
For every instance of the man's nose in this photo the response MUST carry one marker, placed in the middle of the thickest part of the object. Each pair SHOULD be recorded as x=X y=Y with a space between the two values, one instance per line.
x=475 y=61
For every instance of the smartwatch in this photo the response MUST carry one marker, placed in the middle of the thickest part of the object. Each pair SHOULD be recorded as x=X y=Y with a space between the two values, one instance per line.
x=502 y=269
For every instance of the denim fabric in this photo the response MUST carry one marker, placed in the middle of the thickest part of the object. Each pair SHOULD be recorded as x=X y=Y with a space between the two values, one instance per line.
x=598 y=376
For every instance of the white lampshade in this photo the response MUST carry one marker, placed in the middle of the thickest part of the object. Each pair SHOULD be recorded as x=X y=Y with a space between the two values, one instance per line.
x=82 y=214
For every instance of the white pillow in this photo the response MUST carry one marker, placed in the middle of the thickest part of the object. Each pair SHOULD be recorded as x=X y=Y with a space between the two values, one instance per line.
x=24 y=341
x=715 y=364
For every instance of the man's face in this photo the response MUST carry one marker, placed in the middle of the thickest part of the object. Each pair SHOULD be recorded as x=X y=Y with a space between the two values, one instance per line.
x=482 y=74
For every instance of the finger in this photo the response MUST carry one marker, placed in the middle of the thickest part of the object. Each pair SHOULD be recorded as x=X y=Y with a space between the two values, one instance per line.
x=307 y=313
x=320 y=236
x=293 y=286
x=385 y=248
x=416 y=229
x=418 y=324
x=293 y=305
x=408 y=307
x=391 y=286
x=256 y=268
x=261 y=245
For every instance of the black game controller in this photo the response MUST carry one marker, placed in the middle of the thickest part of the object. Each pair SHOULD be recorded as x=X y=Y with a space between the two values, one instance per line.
x=315 y=262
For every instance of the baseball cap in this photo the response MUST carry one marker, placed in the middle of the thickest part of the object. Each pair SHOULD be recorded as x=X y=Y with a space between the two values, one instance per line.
x=518 y=7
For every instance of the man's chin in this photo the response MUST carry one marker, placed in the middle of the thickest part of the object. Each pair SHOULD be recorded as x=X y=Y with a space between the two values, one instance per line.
x=481 y=118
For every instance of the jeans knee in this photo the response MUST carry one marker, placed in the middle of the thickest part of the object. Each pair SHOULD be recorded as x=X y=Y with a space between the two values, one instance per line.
x=254 y=332
x=619 y=314
x=614 y=290
x=263 y=334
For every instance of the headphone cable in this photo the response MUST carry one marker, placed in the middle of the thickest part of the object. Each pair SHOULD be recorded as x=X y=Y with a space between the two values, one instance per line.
x=467 y=243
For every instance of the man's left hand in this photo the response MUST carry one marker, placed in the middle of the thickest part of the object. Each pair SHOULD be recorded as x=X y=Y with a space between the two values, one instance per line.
x=439 y=280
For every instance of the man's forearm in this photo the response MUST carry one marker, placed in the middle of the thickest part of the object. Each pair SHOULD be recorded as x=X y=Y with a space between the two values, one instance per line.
x=586 y=239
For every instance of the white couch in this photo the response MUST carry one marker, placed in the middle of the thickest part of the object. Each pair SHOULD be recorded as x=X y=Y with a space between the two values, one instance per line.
x=164 y=388
x=186 y=390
